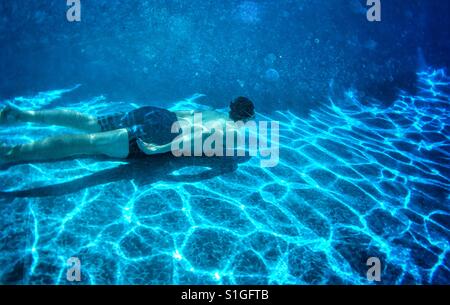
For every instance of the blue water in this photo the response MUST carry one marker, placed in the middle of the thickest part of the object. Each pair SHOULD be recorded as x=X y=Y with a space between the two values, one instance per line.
x=353 y=182
x=364 y=143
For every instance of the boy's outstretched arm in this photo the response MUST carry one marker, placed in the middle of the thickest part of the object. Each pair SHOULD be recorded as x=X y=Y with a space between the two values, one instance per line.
x=153 y=149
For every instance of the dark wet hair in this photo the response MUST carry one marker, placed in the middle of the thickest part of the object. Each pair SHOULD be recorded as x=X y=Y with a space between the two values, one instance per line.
x=241 y=109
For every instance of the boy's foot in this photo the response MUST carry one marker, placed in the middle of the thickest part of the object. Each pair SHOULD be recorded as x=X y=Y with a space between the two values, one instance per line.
x=10 y=114
x=4 y=152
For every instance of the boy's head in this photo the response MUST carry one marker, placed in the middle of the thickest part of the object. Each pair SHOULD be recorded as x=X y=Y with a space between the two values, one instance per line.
x=241 y=109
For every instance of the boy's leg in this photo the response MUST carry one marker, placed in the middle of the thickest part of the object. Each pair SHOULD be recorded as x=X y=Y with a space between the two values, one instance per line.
x=111 y=143
x=60 y=117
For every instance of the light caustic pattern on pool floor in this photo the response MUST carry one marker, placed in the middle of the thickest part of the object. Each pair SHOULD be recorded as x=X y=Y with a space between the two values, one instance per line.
x=353 y=182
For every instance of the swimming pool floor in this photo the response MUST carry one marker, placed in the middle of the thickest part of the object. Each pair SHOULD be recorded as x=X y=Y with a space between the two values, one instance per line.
x=353 y=182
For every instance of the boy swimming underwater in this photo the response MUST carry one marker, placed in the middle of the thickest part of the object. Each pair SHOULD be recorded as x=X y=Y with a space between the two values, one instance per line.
x=143 y=131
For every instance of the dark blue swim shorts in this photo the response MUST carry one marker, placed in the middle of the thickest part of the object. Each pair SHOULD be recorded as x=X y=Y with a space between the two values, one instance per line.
x=150 y=124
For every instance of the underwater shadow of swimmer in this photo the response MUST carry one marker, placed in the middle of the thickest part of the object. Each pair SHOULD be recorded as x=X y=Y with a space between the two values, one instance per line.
x=143 y=171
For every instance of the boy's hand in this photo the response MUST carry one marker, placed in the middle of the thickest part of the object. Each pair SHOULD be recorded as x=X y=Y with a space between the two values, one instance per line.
x=148 y=148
